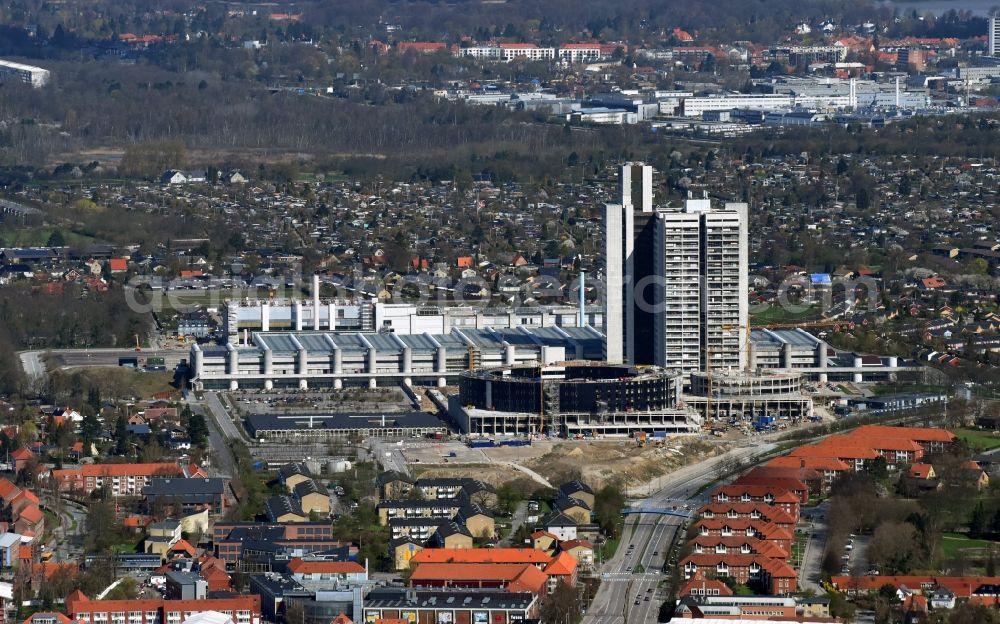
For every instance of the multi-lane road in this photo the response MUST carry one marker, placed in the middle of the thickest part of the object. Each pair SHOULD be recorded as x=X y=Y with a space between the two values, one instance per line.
x=629 y=591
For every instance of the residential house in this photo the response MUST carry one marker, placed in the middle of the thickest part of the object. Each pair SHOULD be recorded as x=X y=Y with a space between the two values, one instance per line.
x=290 y=475
x=174 y=496
x=578 y=490
x=774 y=576
x=118 y=479
x=562 y=526
x=581 y=550
x=574 y=508
x=451 y=535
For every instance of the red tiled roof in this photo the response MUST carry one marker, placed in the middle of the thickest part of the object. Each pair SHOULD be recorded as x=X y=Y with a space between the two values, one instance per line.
x=707 y=586
x=887 y=444
x=831 y=464
x=919 y=434
x=564 y=564
x=768 y=529
x=768 y=512
x=832 y=449
x=759 y=546
x=421 y=46
x=8 y=490
x=184 y=546
x=531 y=580
x=48 y=616
x=468 y=571
x=784 y=483
x=32 y=514
x=481 y=556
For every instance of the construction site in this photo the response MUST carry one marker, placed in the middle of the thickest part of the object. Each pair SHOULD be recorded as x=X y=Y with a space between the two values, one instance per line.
x=577 y=399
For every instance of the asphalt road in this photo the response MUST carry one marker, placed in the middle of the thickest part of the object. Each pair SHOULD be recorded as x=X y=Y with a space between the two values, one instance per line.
x=31 y=362
x=226 y=425
x=223 y=463
x=811 y=570
x=621 y=587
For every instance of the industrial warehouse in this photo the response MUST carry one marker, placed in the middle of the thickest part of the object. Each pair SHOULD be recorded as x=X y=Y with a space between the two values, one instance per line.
x=301 y=360
x=571 y=399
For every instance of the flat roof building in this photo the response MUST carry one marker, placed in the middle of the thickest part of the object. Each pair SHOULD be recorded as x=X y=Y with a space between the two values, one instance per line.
x=35 y=76
x=332 y=360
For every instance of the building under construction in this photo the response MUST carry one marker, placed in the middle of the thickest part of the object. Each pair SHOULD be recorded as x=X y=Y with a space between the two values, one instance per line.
x=735 y=396
x=572 y=399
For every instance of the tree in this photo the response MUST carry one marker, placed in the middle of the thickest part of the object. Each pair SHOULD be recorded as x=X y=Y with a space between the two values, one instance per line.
x=102 y=527
x=56 y=239
x=608 y=504
x=561 y=605
x=90 y=428
x=905 y=186
x=509 y=496
x=979 y=266
x=127 y=589
x=979 y=522
x=895 y=548
x=863 y=199
x=27 y=433
x=197 y=430
x=121 y=435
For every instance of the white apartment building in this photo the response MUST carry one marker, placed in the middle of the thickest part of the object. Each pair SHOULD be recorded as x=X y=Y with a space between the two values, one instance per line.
x=635 y=202
x=993 y=32
x=489 y=53
x=35 y=76
x=702 y=306
x=528 y=51
x=580 y=53
x=678 y=241
x=695 y=106
x=509 y=52
x=682 y=275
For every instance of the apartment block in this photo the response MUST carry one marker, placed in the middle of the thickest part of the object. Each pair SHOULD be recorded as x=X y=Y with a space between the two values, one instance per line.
x=682 y=275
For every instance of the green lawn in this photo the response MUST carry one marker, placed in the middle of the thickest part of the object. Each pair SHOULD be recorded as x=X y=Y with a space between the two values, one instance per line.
x=777 y=314
x=123 y=382
x=39 y=237
x=609 y=548
x=981 y=440
x=951 y=543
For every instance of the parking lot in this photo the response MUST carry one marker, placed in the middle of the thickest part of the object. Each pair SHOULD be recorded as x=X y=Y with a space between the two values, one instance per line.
x=365 y=400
